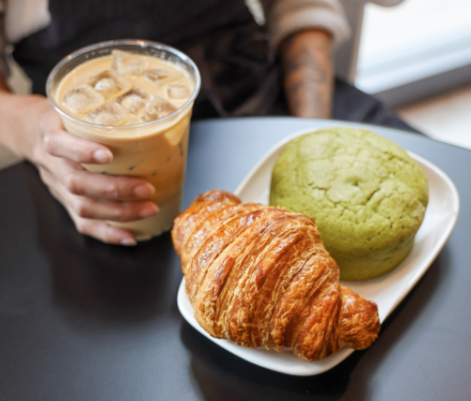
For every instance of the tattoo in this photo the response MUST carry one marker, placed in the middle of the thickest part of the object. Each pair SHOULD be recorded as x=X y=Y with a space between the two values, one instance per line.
x=308 y=74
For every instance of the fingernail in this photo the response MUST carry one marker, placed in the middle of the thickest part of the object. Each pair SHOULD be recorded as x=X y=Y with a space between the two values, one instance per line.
x=149 y=210
x=128 y=242
x=102 y=156
x=143 y=190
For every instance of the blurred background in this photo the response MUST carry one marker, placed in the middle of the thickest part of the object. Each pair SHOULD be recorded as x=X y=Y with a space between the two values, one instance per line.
x=415 y=55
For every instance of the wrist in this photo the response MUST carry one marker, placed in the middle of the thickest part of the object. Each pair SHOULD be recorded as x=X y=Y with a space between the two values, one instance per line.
x=20 y=116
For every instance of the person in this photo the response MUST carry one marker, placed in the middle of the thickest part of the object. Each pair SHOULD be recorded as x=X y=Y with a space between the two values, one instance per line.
x=239 y=63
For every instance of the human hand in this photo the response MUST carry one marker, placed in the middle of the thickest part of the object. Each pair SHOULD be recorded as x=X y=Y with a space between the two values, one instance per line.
x=89 y=198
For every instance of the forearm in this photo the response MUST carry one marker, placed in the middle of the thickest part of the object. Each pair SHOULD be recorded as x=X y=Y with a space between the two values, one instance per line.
x=308 y=73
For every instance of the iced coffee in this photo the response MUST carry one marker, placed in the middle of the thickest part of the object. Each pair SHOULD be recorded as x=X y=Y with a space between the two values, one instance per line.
x=136 y=100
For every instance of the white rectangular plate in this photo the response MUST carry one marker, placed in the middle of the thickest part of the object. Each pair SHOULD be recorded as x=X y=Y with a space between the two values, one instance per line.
x=387 y=291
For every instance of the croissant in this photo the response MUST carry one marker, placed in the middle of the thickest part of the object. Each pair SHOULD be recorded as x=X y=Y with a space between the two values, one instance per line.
x=261 y=276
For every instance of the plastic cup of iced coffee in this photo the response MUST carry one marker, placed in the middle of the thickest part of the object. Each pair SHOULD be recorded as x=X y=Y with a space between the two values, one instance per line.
x=136 y=98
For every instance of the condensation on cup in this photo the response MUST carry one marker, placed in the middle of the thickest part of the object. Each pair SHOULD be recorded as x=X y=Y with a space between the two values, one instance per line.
x=135 y=97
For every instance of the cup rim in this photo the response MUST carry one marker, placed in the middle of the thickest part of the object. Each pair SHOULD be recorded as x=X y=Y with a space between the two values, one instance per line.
x=112 y=43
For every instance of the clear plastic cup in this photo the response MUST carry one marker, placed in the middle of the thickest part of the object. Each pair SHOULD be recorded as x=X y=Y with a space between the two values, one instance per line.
x=155 y=151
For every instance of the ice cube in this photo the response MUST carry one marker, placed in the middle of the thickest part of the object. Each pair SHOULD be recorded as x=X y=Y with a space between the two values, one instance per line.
x=133 y=101
x=160 y=76
x=178 y=91
x=174 y=136
x=109 y=84
x=127 y=63
x=158 y=108
x=82 y=99
x=109 y=114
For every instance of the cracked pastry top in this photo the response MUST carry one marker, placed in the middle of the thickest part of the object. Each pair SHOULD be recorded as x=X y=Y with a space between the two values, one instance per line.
x=366 y=194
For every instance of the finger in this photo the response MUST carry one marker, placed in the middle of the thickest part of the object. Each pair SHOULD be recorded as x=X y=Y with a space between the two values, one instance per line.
x=91 y=208
x=59 y=142
x=97 y=229
x=102 y=231
x=110 y=210
x=101 y=186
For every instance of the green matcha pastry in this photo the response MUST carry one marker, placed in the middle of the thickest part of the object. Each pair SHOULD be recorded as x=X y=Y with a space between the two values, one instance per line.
x=365 y=193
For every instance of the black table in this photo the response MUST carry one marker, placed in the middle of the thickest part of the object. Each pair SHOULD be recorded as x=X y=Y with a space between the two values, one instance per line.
x=81 y=320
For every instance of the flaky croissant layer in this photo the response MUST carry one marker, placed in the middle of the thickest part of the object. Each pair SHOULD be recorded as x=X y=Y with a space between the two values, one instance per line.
x=261 y=276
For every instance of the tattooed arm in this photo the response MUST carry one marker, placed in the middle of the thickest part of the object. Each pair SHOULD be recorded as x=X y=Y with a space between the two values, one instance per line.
x=305 y=32
x=308 y=73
